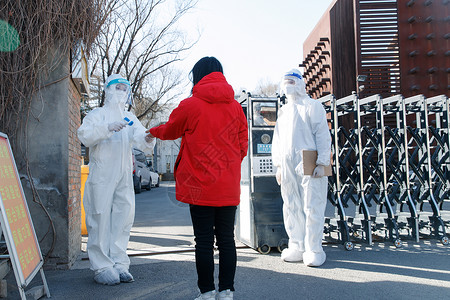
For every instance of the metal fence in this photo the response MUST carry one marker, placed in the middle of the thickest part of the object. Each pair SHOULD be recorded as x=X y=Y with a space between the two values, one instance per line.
x=391 y=170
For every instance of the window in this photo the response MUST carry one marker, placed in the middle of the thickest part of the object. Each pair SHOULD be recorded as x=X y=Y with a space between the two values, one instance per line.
x=264 y=113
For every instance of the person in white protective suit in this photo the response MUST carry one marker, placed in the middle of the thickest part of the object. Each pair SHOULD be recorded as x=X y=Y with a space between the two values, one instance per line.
x=258 y=119
x=301 y=125
x=109 y=191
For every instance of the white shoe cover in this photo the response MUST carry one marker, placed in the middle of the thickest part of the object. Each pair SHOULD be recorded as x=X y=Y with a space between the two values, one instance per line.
x=109 y=276
x=226 y=295
x=292 y=255
x=126 y=277
x=211 y=295
x=124 y=274
x=314 y=259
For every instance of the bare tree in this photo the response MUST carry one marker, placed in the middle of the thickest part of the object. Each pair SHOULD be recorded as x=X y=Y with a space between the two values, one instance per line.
x=48 y=31
x=266 y=88
x=141 y=42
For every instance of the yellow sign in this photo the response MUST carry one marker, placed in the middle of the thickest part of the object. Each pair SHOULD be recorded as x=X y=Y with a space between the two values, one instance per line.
x=19 y=226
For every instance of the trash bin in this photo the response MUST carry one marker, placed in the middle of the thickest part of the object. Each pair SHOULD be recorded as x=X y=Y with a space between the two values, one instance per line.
x=84 y=176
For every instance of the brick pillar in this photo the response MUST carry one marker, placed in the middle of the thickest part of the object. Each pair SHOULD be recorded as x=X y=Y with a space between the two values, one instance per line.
x=74 y=198
x=53 y=153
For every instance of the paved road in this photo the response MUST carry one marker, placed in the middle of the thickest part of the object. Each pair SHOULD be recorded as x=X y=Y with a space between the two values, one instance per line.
x=163 y=264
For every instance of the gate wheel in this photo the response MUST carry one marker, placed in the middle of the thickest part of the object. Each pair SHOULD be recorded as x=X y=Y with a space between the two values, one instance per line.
x=349 y=246
x=397 y=243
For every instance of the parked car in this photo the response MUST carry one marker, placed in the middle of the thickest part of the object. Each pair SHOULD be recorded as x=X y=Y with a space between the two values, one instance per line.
x=142 y=177
x=154 y=174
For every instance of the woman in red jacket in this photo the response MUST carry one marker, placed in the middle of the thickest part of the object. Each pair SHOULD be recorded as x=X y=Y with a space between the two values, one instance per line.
x=214 y=140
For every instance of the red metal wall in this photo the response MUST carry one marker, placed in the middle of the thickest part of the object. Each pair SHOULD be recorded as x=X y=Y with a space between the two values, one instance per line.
x=424 y=34
x=401 y=46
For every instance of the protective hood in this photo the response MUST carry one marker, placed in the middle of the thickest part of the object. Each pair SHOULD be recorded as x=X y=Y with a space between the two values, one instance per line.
x=117 y=92
x=293 y=86
x=213 y=88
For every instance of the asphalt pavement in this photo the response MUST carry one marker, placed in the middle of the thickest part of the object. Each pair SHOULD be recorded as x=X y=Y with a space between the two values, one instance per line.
x=163 y=265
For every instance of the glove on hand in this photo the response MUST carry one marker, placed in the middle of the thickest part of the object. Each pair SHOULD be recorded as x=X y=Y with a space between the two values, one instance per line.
x=319 y=171
x=116 y=126
x=278 y=176
x=149 y=139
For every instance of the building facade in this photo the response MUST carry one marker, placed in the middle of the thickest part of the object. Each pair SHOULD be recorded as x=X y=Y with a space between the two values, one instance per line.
x=165 y=156
x=381 y=47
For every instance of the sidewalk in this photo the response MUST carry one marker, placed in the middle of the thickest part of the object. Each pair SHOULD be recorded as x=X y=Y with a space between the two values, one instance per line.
x=163 y=265
x=379 y=272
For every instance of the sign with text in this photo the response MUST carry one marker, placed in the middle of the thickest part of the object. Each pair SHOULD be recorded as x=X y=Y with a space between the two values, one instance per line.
x=264 y=148
x=16 y=223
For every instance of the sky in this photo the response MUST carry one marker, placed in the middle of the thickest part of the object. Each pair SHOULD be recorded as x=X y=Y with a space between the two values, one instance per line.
x=256 y=41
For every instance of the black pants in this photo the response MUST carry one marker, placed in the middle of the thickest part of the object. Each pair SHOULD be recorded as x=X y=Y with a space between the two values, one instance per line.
x=208 y=222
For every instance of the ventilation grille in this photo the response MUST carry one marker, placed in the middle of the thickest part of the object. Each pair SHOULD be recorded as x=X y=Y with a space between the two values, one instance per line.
x=377 y=47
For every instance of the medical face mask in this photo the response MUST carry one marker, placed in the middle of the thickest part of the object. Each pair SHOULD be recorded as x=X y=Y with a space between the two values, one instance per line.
x=290 y=90
x=116 y=97
x=119 y=97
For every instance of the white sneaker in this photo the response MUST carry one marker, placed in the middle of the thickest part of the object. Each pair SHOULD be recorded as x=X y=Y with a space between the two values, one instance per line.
x=292 y=255
x=211 y=295
x=226 y=295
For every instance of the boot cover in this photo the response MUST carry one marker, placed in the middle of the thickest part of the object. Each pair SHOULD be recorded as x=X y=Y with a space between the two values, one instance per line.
x=109 y=276
x=292 y=255
x=126 y=277
x=314 y=259
x=124 y=274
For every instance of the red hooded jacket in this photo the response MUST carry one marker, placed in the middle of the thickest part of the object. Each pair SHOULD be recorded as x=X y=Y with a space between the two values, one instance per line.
x=214 y=140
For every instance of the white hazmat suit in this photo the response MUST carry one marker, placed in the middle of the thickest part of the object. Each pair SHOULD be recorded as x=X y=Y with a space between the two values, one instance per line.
x=109 y=191
x=302 y=125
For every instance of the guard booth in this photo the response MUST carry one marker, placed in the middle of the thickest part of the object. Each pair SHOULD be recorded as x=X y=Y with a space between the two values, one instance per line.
x=259 y=220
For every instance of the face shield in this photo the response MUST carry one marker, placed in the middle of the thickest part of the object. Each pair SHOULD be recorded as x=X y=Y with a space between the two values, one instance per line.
x=293 y=85
x=118 y=90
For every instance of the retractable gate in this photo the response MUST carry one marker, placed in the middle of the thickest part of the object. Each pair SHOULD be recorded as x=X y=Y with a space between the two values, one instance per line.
x=392 y=165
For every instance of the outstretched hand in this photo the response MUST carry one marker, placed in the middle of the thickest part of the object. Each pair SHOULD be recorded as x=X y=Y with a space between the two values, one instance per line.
x=149 y=137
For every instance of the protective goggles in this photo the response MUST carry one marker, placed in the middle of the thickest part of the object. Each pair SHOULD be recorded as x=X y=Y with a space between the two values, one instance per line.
x=121 y=87
x=289 y=81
